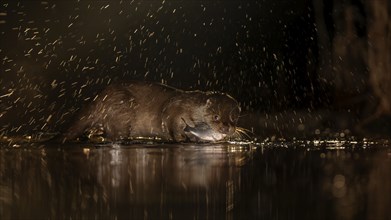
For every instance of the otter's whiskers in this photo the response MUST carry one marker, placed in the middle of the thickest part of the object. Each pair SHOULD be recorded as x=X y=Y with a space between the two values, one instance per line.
x=242 y=132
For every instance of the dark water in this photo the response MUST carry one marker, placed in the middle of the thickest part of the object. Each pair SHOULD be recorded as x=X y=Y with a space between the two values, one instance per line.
x=272 y=180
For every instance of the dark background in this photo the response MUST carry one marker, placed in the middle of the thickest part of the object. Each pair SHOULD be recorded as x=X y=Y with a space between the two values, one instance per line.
x=275 y=57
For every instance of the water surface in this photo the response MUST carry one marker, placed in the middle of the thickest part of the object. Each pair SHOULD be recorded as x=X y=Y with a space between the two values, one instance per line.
x=269 y=180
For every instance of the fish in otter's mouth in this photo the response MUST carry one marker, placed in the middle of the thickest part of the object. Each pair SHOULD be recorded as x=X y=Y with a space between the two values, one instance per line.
x=204 y=132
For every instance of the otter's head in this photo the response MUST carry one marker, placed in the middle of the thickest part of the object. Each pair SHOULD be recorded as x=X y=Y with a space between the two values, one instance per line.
x=220 y=116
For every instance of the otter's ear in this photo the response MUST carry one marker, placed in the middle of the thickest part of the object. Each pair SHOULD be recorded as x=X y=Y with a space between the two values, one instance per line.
x=208 y=102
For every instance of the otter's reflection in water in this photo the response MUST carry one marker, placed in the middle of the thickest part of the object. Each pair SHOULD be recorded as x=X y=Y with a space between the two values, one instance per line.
x=176 y=181
x=278 y=181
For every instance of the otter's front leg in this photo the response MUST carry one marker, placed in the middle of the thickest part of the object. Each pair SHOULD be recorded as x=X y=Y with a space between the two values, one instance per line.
x=176 y=127
x=177 y=130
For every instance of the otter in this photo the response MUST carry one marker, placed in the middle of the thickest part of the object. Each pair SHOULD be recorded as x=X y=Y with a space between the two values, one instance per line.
x=153 y=110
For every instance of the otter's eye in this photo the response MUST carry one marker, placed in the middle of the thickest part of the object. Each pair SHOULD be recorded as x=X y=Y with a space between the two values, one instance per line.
x=216 y=117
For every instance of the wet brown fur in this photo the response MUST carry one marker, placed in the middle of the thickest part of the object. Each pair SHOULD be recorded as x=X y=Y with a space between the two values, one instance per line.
x=141 y=109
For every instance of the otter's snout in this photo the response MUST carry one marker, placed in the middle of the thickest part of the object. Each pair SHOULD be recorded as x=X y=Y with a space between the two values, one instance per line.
x=227 y=129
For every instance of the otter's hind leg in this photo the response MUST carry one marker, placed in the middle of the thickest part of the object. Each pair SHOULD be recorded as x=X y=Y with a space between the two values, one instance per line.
x=84 y=120
x=76 y=130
